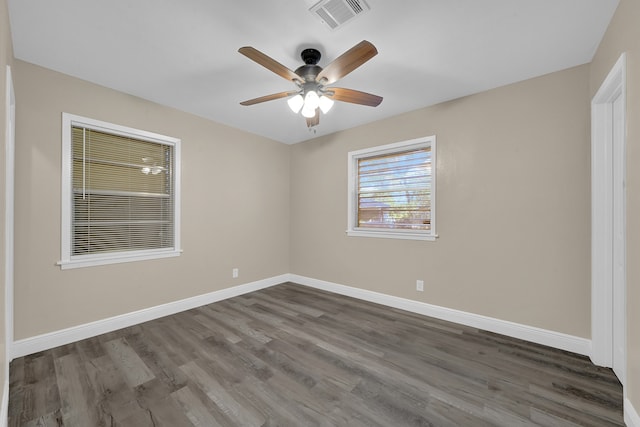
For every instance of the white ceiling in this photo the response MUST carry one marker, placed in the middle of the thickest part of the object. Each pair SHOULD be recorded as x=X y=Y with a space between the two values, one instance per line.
x=183 y=53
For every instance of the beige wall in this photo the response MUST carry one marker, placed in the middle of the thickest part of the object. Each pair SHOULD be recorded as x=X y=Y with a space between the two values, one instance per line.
x=6 y=58
x=235 y=208
x=623 y=35
x=512 y=207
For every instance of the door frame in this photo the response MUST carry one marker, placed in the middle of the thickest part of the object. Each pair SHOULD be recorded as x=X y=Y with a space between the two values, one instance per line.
x=603 y=212
x=9 y=213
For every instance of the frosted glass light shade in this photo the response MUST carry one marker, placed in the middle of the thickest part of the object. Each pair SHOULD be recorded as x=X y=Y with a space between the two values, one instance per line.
x=311 y=100
x=325 y=103
x=308 y=112
x=295 y=103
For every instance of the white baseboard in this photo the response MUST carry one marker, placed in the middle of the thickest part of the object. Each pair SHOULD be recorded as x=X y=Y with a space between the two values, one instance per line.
x=511 y=329
x=529 y=333
x=631 y=417
x=65 y=336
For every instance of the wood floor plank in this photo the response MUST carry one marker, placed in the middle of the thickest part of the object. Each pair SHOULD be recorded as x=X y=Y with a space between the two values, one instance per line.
x=195 y=410
x=135 y=371
x=290 y=355
x=157 y=359
x=238 y=325
x=208 y=322
x=161 y=408
x=42 y=389
x=114 y=397
x=48 y=420
x=242 y=414
x=74 y=406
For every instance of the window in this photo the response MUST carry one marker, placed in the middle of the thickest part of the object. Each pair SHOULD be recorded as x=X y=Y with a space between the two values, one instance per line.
x=120 y=194
x=392 y=190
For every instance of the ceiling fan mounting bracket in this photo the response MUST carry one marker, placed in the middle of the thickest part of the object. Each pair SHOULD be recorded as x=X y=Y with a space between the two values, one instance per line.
x=310 y=56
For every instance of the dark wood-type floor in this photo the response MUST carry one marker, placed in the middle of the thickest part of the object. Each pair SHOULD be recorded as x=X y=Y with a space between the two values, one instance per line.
x=294 y=356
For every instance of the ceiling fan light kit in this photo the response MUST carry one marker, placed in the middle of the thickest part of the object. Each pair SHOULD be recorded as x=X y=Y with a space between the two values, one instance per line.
x=295 y=103
x=325 y=103
x=312 y=96
x=307 y=105
x=311 y=102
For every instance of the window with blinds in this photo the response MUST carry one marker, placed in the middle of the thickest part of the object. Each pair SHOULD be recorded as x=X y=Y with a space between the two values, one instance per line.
x=392 y=190
x=122 y=187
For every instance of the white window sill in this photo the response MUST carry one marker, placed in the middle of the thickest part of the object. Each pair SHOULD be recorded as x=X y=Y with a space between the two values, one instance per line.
x=392 y=234
x=90 y=261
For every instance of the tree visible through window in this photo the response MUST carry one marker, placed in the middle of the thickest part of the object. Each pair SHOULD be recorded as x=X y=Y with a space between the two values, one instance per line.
x=392 y=190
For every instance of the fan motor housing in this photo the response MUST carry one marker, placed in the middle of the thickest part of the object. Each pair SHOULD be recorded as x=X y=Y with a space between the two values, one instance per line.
x=308 y=72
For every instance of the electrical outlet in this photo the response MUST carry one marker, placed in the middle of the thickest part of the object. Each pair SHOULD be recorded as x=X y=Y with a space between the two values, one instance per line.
x=420 y=285
x=234 y=273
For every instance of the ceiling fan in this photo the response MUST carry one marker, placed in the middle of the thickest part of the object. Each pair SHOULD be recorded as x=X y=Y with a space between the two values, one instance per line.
x=312 y=94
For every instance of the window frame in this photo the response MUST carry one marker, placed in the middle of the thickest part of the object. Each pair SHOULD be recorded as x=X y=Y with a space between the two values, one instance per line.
x=352 y=204
x=68 y=260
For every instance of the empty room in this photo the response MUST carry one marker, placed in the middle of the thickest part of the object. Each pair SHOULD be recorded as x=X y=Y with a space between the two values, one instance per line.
x=320 y=213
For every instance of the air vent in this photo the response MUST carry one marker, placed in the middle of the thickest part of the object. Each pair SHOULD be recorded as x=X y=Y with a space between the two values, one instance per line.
x=335 y=13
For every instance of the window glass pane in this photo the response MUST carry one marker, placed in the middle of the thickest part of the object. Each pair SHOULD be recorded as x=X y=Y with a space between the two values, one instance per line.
x=122 y=193
x=394 y=190
x=110 y=162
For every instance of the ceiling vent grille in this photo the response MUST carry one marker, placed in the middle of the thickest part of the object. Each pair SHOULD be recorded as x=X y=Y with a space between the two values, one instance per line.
x=335 y=13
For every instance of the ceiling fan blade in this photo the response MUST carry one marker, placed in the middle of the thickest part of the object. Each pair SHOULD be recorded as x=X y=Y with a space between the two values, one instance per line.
x=315 y=120
x=347 y=62
x=353 y=96
x=269 y=63
x=268 y=98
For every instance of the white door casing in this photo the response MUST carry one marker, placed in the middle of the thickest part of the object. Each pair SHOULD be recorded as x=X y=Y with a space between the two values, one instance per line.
x=619 y=240
x=608 y=221
x=9 y=202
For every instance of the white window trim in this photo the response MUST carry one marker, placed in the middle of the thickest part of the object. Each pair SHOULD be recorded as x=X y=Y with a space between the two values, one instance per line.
x=353 y=156
x=69 y=261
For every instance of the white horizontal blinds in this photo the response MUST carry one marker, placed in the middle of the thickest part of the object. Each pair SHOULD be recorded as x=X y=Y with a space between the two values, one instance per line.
x=122 y=193
x=394 y=190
